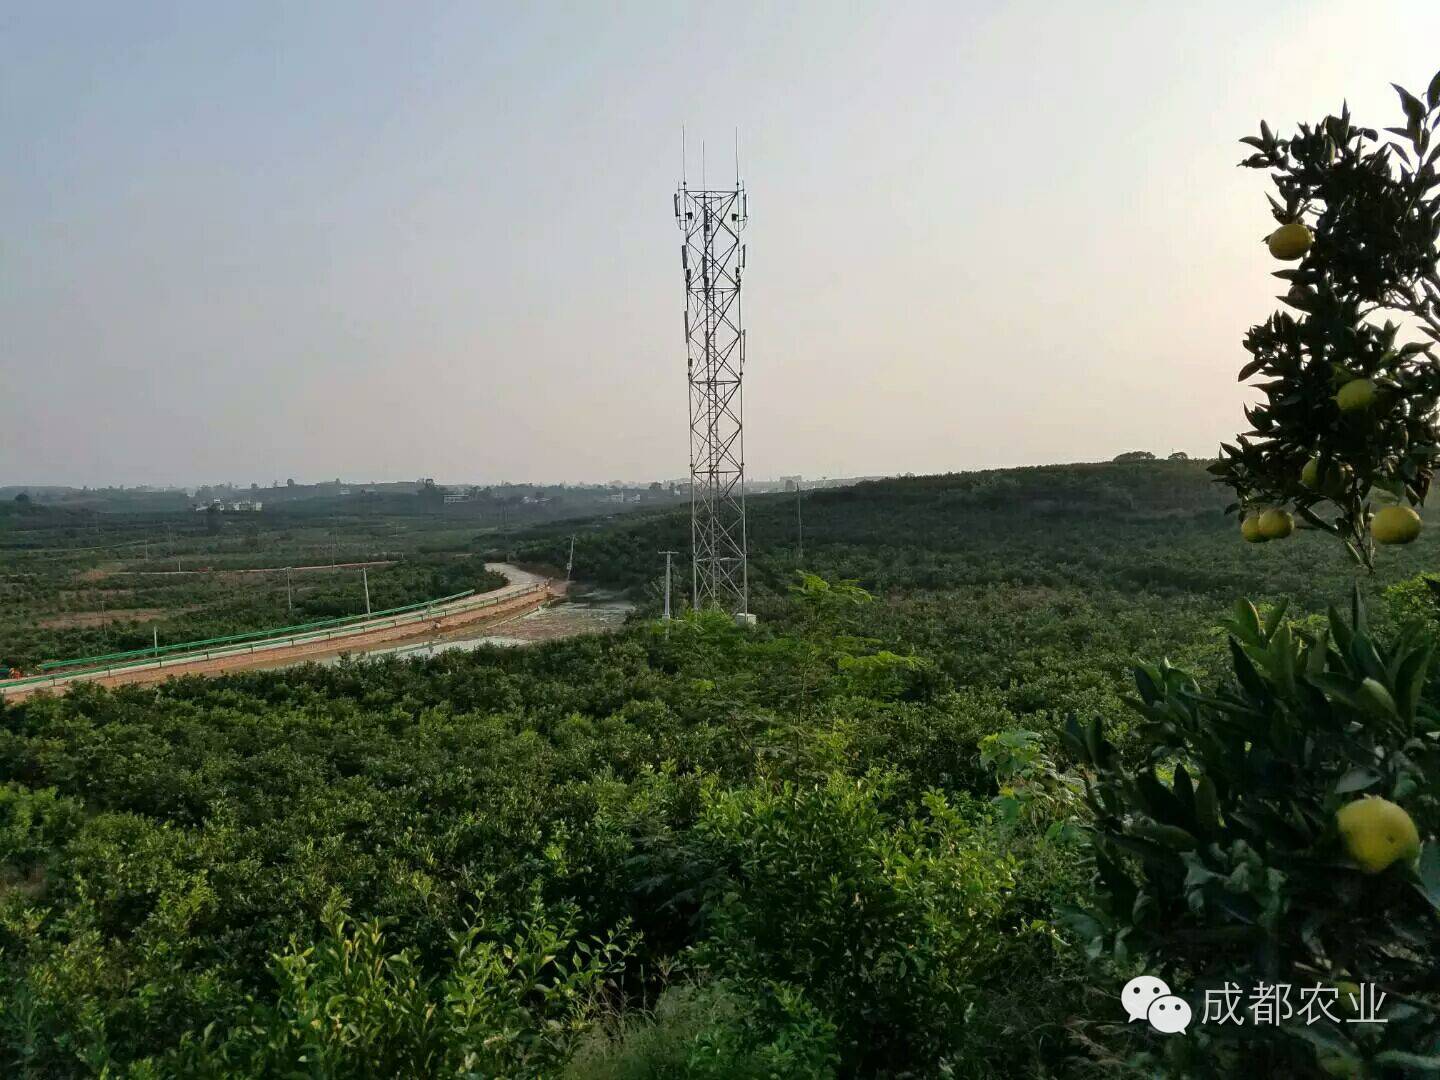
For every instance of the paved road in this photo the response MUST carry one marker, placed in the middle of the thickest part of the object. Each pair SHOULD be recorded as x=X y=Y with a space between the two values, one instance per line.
x=523 y=591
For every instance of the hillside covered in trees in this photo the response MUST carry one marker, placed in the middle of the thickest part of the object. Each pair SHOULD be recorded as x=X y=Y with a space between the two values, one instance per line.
x=853 y=841
x=1137 y=529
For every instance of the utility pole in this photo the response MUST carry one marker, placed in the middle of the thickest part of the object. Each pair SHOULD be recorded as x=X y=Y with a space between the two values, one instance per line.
x=799 y=524
x=667 y=555
x=155 y=638
x=570 y=565
x=289 y=598
x=365 y=577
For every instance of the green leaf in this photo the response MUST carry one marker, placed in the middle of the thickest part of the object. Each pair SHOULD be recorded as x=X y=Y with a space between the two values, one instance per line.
x=1414 y=111
x=1411 y=678
x=1245 y=671
x=1145 y=848
x=1340 y=631
x=1339 y=687
x=1390 y=486
x=1149 y=691
x=1197 y=873
x=1207 y=805
x=1273 y=617
x=1171 y=836
x=1403 y=1059
x=1357 y=779
x=1248 y=370
x=1427 y=874
x=1376 y=699
x=1184 y=791
x=1330 y=1042
x=1246 y=622
x=1096 y=747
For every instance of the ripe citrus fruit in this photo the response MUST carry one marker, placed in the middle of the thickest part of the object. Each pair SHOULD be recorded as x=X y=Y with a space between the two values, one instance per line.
x=1348 y=988
x=1290 y=242
x=1348 y=997
x=1395 y=525
x=1377 y=833
x=1250 y=530
x=1276 y=524
x=1355 y=395
x=1332 y=481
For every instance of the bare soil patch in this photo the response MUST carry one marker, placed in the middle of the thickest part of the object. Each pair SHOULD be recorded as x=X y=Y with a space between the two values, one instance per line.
x=74 y=619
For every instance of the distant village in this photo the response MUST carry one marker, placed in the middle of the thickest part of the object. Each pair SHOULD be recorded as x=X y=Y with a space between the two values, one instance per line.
x=227 y=498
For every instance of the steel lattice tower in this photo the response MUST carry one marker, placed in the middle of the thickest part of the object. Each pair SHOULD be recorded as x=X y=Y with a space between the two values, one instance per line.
x=713 y=258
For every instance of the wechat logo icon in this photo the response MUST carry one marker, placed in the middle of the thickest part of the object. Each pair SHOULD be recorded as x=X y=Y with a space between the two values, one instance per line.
x=1147 y=998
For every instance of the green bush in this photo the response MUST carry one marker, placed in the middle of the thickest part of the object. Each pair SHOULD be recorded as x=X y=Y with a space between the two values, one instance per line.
x=887 y=918
x=513 y=1003
x=715 y=1031
x=1218 y=858
x=32 y=824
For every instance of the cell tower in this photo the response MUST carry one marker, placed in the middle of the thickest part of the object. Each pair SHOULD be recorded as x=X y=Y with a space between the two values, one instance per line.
x=713 y=258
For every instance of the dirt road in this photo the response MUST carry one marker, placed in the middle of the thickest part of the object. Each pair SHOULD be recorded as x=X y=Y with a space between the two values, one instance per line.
x=98 y=574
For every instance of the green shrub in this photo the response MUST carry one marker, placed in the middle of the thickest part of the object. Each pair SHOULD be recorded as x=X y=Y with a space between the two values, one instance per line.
x=887 y=918
x=715 y=1031
x=513 y=1003
x=1218 y=860
x=32 y=824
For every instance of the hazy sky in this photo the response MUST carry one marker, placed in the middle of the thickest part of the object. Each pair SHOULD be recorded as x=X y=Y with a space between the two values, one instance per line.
x=248 y=241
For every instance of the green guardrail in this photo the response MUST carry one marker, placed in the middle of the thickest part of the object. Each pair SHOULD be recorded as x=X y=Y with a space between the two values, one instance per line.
x=278 y=631
x=233 y=645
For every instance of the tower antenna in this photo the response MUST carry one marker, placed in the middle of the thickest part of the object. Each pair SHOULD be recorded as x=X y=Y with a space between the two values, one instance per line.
x=713 y=260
